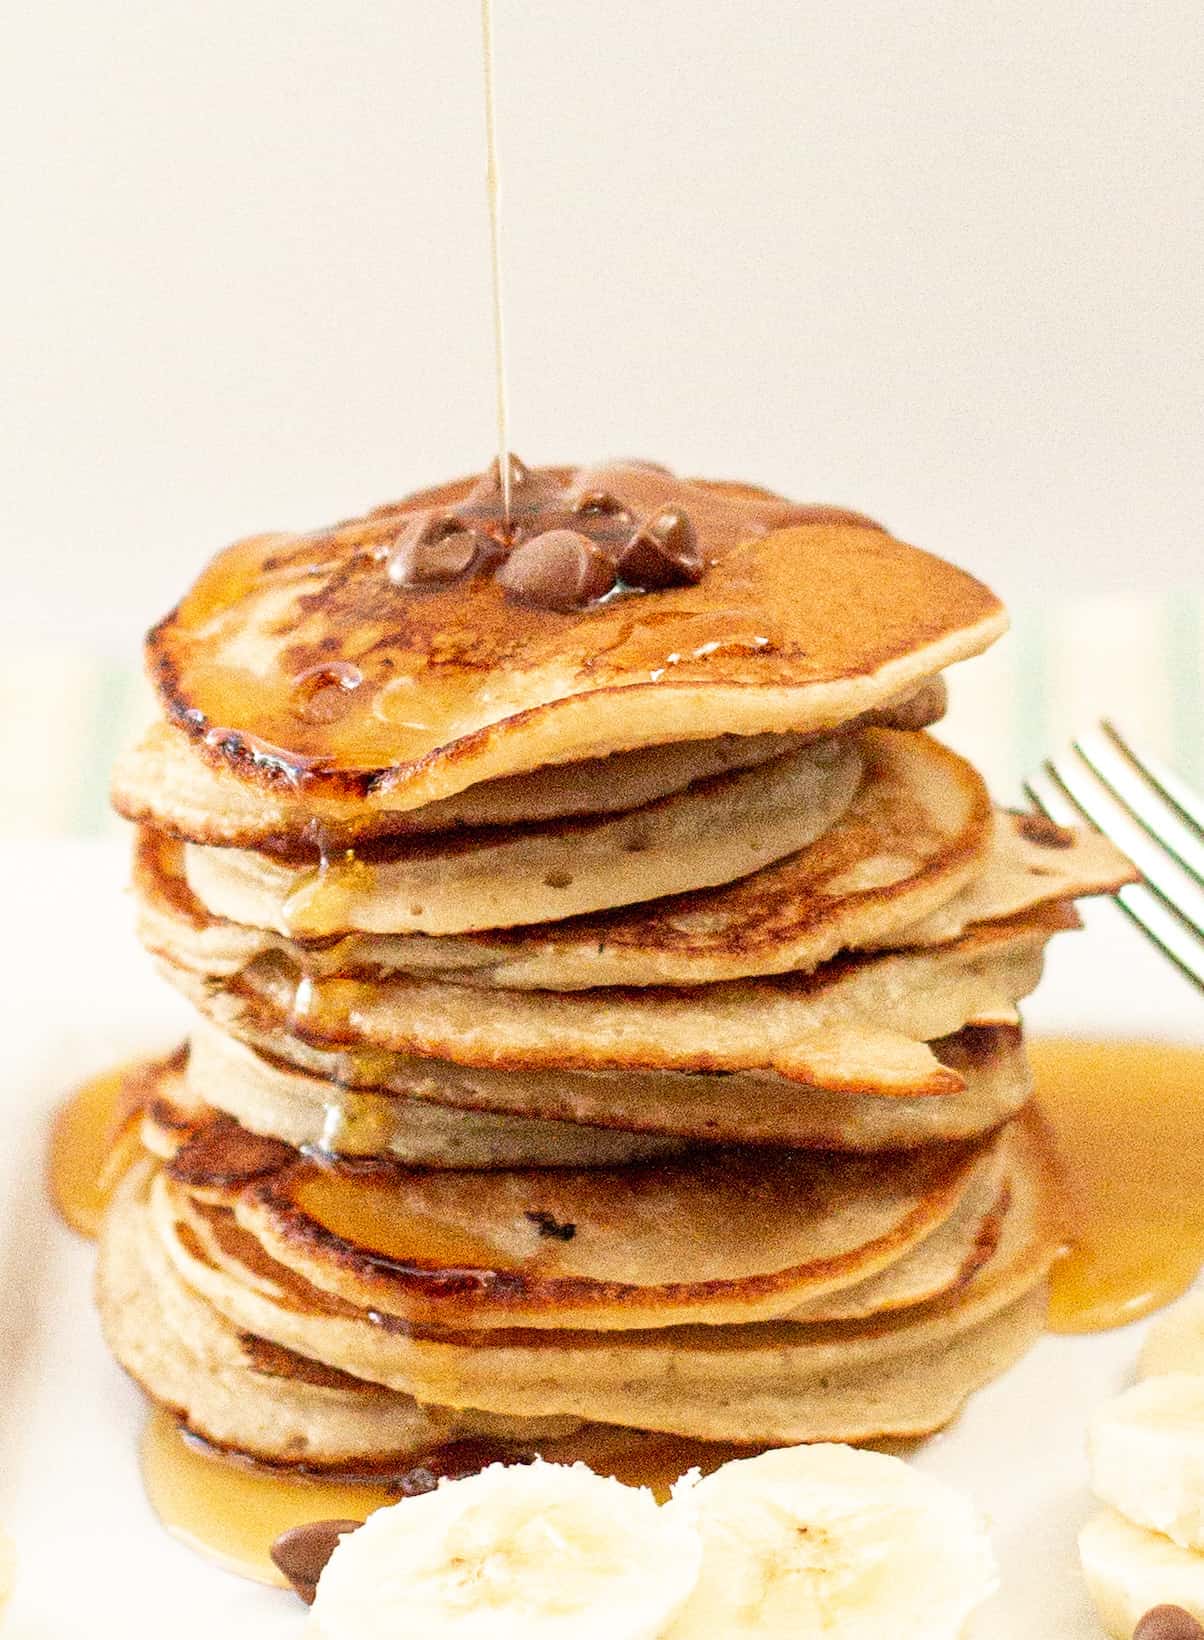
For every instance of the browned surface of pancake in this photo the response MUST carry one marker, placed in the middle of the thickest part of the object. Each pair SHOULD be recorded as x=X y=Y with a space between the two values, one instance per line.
x=163 y=781
x=797 y=625
x=858 y=1024
x=776 y=1379
x=623 y=1247
x=381 y=1104
x=917 y=831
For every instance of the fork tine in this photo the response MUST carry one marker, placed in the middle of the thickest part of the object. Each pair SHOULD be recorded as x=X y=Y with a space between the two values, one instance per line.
x=1143 y=907
x=1151 y=811
x=1043 y=790
x=1163 y=778
x=1166 y=931
x=1108 y=813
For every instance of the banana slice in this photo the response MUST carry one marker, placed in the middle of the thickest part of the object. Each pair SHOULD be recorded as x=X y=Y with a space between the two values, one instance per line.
x=539 y=1552
x=1147 y=1456
x=1175 y=1343
x=829 y=1540
x=1130 y=1570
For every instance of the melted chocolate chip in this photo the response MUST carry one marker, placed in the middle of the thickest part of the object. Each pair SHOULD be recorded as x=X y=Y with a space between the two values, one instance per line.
x=549 y=1225
x=662 y=553
x=560 y=569
x=1168 y=1623
x=301 y=1554
x=434 y=548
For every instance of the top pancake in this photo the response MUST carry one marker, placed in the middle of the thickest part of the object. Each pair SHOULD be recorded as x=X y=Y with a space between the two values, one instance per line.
x=296 y=662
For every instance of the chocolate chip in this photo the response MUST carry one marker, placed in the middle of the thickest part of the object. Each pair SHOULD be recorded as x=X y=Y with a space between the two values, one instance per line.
x=456 y=1460
x=600 y=504
x=549 y=1225
x=560 y=569
x=662 y=553
x=1168 y=1623
x=1036 y=828
x=433 y=547
x=301 y=1554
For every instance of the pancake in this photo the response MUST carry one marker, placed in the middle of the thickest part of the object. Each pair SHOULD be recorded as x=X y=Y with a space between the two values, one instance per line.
x=938 y=1266
x=161 y=781
x=1032 y=863
x=242 y=1392
x=617 y=1248
x=431 y=1112
x=857 y=1025
x=942 y=1261
x=918 y=830
x=717 y=830
x=295 y=659
x=275 y=1411
x=304 y=1112
x=775 y=1381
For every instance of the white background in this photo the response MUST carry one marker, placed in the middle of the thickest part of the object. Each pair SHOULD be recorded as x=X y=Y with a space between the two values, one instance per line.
x=939 y=259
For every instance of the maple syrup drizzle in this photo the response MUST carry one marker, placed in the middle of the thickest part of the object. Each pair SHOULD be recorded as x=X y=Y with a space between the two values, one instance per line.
x=493 y=189
x=372 y=1215
x=231 y=1511
x=89 y=1137
x=1128 y=1122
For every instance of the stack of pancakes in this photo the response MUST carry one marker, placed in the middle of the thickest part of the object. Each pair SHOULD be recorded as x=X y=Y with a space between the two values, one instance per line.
x=606 y=1010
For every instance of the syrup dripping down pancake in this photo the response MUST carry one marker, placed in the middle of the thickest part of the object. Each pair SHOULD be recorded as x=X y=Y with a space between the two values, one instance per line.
x=275 y=1102
x=435 y=1114
x=940 y=1263
x=858 y=1024
x=161 y=782
x=917 y=860
x=714 y=832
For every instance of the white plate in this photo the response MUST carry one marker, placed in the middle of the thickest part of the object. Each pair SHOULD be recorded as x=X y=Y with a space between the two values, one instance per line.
x=79 y=994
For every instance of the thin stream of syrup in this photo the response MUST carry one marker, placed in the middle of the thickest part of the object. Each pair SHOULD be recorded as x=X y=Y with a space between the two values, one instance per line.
x=493 y=187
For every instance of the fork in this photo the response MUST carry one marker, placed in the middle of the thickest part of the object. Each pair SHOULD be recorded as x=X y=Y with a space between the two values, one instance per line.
x=1154 y=817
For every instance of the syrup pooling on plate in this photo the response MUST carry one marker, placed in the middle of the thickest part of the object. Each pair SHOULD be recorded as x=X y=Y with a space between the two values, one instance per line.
x=372 y=644
x=1128 y=1122
x=91 y=1134
x=231 y=1510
